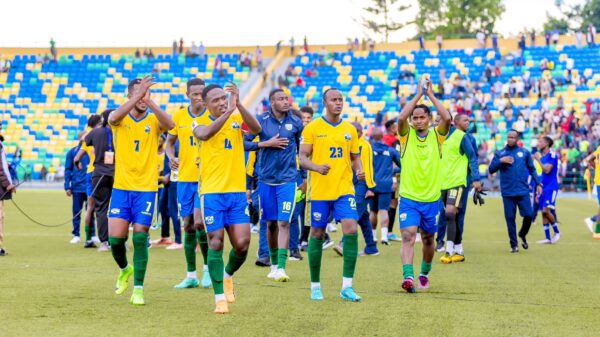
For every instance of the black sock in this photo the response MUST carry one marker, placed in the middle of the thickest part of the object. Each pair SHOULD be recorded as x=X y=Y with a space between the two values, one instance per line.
x=392 y=217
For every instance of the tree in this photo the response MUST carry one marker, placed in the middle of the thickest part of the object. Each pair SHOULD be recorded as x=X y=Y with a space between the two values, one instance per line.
x=590 y=14
x=457 y=18
x=379 y=17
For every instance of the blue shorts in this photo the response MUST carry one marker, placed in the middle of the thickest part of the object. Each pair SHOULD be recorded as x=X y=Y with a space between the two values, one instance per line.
x=419 y=214
x=187 y=198
x=89 y=187
x=548 y=199
x=222 y=210
x=380 y=202
x=598 y=194
x=277 y=202
x=343 y=208
x=135 y=207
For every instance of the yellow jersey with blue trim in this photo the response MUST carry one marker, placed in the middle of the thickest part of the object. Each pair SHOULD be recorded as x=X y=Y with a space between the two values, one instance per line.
x=332 y=144
x=366 y=158
x=136 y=160
x=222 y=168
x=189 y=150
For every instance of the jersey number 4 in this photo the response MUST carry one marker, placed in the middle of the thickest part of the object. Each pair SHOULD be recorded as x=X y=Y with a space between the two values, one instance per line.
x=336 y=152
x=228 y=144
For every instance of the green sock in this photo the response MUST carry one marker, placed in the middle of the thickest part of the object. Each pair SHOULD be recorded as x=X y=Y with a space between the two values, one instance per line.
x=235 y=262
x=88 y=233
x=597 y=229
x=119 y=253
x=273 y=255
x=189 y=247
x=140 y=257
x=425 y=268
x=203 y=240
x=315 y=253
x=282 y=255
x=350 y=254
x=215 y=270
x=407 y=270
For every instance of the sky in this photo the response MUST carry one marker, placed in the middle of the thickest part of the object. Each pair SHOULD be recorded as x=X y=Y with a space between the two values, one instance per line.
x=216 y=23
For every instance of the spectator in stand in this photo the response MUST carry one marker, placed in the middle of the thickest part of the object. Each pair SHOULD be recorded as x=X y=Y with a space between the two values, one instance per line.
x=547 y=36
x=259 y=59
x=579 y=38
x=292 y=46
x=591 y=35
x=439 y=39
x=305 y=44
x=53 y=50
x=421 y=42
x=480 y=36
x=201 y=50
x=174 y=51
x=138 y=54
x=532 y=37
x=495 y=41
x=181 y=46
x=555 y=37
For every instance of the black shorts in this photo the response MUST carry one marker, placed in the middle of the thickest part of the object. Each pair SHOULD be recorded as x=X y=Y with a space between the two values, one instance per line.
x=453 y=196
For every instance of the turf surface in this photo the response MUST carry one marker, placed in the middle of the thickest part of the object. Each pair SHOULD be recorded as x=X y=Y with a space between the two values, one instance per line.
x=49 y=287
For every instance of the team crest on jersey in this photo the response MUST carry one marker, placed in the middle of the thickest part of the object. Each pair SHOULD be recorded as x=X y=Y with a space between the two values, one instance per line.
x=288 y=127
x=520 y=154
x=115 y=211
x=209 y=220
x=147 y=129
x=348 y=137
x=317 y=216
x=386 y=153
x=235 y=125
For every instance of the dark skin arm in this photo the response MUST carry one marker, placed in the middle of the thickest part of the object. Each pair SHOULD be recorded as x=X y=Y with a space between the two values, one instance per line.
x=407 y=110
x=251 y=121
x=170 y=151
x=445 y=117
x=117 y=116
x=307 y=164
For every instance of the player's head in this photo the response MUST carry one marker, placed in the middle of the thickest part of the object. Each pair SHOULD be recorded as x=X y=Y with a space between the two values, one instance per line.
x=391 y=127
x=215 y=99
x=512 y=138
x=377 y=134
x=307 y=114
x=94 y=121
x=359 y=128
x=194 y=92
x=461 y=122
x=105 y=115
x=279 y=100
x=421 y=117
x=334 y=101
x=545 y=142
x=140 y=106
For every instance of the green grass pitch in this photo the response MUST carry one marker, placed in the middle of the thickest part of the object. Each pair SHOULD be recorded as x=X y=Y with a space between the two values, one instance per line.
x=51 y=288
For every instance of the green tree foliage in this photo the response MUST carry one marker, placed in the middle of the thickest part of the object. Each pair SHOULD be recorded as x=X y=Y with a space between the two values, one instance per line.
x=457 y=18
x=380 y=15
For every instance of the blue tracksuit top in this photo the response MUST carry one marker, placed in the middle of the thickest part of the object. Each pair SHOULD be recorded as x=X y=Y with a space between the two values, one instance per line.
x=514 y=179
x=383 y=168
x=74 y=177
x=279 y=166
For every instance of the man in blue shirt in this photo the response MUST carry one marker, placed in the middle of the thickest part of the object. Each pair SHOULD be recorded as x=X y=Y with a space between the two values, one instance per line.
x=277 y=178
x=548 y=160
x=384 y=158
x=515 y=165
x=75 y=187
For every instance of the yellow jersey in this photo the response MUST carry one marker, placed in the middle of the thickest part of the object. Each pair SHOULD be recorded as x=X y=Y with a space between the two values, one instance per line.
x=366 y=158
x=332 y=145
x=597 y=167
x=136 y=141
x=251 y=162
x=189 y=151
x=90 y=152
x=222 y=156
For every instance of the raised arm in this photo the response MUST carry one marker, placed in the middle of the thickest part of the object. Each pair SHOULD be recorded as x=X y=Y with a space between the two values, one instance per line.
x=407 y=110
x=250 y=120
x=117 y=116
x=206 y=132
x=165 y=122
x=445 y=117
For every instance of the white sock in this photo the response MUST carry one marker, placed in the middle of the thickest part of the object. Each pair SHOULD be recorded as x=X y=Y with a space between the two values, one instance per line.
x=192 y=274
x=315 y=285
x=227 y=275
x=449 y=247
x=346 y=282
x=220 y=297
x=384 y=233
x=205 y=268
x=458 y=249
x=273 y=268
x=281 y=270
x=138 y=287
x=375 y=234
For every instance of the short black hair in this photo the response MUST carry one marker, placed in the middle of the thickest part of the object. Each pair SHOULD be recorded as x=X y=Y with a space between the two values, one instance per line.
x=513 y=130
x=328 y=90
x=424 y=107
x=194 y=81
x=105 y=115
x=93 y=121
x=549 y=140
x=308 y=110
x=274 y=91
x=208 y=89
x=389 y=123
x=132 y=83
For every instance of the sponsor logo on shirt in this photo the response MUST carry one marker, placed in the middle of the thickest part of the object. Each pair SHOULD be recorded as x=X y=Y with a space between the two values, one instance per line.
x=321 y=136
